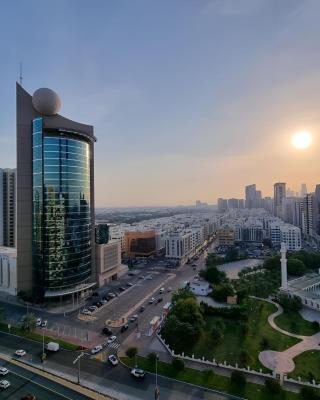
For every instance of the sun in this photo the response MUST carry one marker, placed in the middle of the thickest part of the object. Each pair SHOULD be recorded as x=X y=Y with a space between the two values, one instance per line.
x=301 y=140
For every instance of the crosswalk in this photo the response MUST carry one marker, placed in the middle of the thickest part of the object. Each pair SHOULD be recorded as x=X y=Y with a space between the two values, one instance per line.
x=114 y=345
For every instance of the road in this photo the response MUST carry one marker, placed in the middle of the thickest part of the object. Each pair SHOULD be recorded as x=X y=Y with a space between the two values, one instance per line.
x=24 y=382
x=115 y=381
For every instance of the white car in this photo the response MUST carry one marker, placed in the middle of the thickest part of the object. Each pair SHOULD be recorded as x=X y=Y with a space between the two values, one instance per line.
x=44 y=324
x=96 y=349
x=38 y=322
x=152 y=300
x=111 y=339
x=134 y=318
x=3 y=371
x=138 y=373
x=20 y=353
x=113 y=360
x=85 y=312
x=4 y=384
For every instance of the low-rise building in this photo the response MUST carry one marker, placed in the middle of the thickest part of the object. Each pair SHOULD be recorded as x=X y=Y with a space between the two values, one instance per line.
x=225 y=237
x=139 y=243
x=200 y=288
x=108 y=262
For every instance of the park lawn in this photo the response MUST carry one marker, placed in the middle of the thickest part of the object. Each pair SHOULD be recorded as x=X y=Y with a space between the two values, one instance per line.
x=293 y=322
x=37 y=336
x=209 y=379
x=307 y=366
x=234 y=342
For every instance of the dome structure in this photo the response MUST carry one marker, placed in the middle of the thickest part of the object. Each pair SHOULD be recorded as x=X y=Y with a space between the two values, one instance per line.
x=46 y=101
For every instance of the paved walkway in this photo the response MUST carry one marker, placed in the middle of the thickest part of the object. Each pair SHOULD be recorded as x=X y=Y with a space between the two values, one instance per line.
x=282 y=361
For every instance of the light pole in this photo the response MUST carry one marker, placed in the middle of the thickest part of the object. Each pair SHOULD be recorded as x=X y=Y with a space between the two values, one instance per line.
x=77 y=360
x=156 y=389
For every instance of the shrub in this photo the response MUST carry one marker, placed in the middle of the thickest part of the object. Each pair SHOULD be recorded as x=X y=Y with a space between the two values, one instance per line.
x=316 y=325
x=131 y=352
x=238 y=379
x=289 y=303
x=308 y=393
x=273 y=386
x=177 y=365
x=152 y=357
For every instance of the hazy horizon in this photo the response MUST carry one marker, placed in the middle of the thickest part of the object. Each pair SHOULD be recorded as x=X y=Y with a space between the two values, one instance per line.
x=189 y=99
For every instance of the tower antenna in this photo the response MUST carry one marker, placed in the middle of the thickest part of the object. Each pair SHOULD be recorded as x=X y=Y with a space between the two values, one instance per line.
x=20 y=75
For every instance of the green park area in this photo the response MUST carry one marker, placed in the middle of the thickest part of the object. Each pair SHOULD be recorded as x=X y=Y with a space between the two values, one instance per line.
x=307 y=366
x=241 y=341
x=293 y=322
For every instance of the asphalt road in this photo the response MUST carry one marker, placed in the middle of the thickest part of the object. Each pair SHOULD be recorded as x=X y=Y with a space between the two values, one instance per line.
x=104 y=376
x=24 y=382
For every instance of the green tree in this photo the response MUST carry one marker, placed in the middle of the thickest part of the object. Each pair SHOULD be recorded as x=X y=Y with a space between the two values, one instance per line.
x=272 y=386
x=29 y=322
x=289 y=303
x=177 y=365
x=152 y=358
x=238 y=379
x=316 y=325
x=131 y=352
x=182 y=294
x=272 y=263
x=217 y=334
x=221 y=292
x=188 y=310
x=244 y=358
x=296 y=267
x=213 y=275
x=308 y=393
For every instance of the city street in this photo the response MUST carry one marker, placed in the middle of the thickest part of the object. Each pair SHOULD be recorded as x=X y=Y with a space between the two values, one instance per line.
x=101 y=376
x=23 y=382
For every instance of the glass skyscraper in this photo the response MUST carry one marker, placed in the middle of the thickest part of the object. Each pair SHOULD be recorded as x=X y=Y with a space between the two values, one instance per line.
x=61 y=241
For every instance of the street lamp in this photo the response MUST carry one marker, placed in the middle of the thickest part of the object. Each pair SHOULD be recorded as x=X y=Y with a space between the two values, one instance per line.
x=77 y=360
x=156 y=389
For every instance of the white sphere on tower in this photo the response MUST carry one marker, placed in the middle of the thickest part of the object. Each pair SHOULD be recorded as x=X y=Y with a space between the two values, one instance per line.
x=46 y=101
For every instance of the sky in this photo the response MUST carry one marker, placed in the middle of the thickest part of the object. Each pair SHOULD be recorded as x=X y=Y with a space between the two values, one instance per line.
x=190 y=99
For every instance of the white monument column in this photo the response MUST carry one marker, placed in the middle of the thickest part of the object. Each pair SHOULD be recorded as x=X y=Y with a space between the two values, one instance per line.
x=284 y=280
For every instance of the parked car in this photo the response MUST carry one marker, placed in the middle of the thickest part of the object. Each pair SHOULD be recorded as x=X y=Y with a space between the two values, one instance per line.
x=149 y=277
x=161 y=290
x=122 y=289
x=4 y=384
x=38 y=322
x=96 y=349
x=3 y=371
x=98 y=304
x=20 y=353
x=138 y=373
x=111 y=295
x=159 y=300
x=142 y=308
x=169 y=289
x=111 y=339
x=86 y=312
x=124 y=328
x=113 y=360
x=93 y=308
x=103 y=301
x=44 y=323
x=152 y=300
x=107 y=331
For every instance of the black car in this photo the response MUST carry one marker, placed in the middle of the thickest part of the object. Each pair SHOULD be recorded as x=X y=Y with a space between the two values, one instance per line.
x=122 y=289
x=142 y=308
x=98 y=304
x=159 y=300
x=124 y=328
x=107 y=331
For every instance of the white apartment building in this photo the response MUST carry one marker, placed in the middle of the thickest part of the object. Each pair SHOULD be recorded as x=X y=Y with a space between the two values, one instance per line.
x=8 y=270
x=291 y=236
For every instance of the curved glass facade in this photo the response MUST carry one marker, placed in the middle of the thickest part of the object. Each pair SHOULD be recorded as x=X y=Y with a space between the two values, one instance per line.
x=61 y=209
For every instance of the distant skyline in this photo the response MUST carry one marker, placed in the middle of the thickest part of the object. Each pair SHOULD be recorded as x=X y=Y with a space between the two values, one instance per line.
x=190 y=99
